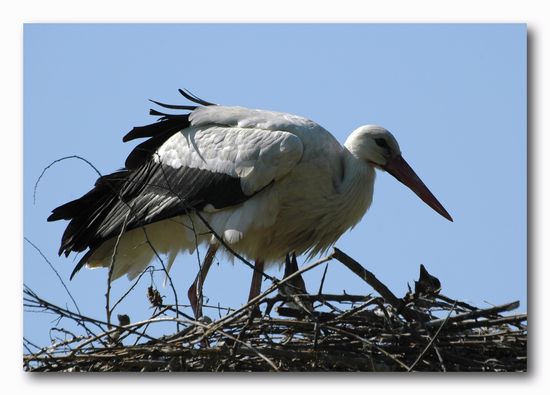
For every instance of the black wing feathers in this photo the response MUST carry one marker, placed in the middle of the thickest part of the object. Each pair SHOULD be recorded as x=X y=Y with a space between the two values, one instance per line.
x=145 y=191
x=173 y=122
x=136 y=198
x=143 y=152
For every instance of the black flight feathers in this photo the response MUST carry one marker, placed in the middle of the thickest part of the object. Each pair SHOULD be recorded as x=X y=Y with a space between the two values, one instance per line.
x=159 y=132
x=145 y=191
x=166 y=121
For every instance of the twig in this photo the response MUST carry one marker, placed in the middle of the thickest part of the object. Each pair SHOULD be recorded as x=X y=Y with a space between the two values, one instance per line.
x=111 y=269
x=135 y=283
x=432 y=340
x=55 y=271
x=369 y=344
x=166 y=274
x=358 y=338
x=255 y=300
x=371 y=279
x=233 y=252
x=474 y=314
x=320 y=291
x=57 y=161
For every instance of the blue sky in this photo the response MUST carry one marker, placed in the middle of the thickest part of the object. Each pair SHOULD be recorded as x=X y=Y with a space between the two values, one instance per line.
x=453 y=95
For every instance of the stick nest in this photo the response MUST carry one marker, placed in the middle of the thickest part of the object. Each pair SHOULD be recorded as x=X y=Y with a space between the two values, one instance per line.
x=285 y=329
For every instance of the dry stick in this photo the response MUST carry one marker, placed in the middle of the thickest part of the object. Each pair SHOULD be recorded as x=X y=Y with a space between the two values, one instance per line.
x=221 y=332
x=322 y=280
x=170 y=189
x=55 y=271
x=74 y=316
x=38 y=302
x=43 y=350
x=155 y=314
x=370 y=278
x=131 y=288
x=249 y=346
x=108 y=183
x=220 y=239
x=316 y=326
x=384 y=310
x=436 y=349
x=174 y=307
x=165 y=273
x=242 y=333
x=121 y=199
x=27 y=347
x=56 y=161
x=145 y=232
x=25 y=340
x=235 y=314
x=233 y=338
x=32 y=297
x=194 y=229
x=322 y=298
x=233 y=252
x=111 y=269
x=432 y=340
x=474 y=314
x=55 y=347
x=352 y=299
x=130 y=327
x=458 y=303
x=63 y=331
x=193 y=353
x=323 y=301
x=134 y=329
x=368 y=343
x=131 y=210
x=515 y=320
x=353 y=311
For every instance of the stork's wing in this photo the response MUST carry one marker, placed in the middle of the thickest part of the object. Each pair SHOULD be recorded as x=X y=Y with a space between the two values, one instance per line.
x=185 y=165
x=251 y=118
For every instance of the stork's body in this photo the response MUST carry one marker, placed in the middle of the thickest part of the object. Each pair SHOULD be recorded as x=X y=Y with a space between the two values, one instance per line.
x=267 y=183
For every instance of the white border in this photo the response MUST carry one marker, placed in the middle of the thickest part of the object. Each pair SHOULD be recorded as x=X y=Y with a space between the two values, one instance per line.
x=381 y=11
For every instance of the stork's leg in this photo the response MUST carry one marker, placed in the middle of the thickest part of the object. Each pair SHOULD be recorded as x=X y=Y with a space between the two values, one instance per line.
x=291 y=266
x=256 y=285
x=296 y=285
x=297 y=282
x=195 y=291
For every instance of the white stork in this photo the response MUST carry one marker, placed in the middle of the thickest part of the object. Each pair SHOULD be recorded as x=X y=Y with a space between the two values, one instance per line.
x=264 y=183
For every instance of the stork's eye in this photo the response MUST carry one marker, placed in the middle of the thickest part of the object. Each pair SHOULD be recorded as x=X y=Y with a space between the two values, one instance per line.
x=382 y=143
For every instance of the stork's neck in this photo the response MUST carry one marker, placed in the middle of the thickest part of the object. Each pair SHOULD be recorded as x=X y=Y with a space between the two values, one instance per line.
x=356 y=170
x=357 y=182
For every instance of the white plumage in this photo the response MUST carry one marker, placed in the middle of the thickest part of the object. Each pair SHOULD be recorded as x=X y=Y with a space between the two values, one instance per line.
x=298 y=189
x=303 y=199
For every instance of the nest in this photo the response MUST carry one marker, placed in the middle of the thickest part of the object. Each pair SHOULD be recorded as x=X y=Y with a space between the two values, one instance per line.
x=285 y=329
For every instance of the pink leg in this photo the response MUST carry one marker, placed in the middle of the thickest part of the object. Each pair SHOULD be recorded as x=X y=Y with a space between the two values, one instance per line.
x=256 y=285
x=195 y=291
x=297 y=283
x=295 y=286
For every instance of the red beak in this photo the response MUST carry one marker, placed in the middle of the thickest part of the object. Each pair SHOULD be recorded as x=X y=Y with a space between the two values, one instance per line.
x=401 y=170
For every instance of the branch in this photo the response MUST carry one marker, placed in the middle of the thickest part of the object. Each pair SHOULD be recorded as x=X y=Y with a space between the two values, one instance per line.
x=371 y=279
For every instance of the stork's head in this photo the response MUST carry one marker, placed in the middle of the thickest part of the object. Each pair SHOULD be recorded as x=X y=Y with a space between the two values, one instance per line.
x=377 y=147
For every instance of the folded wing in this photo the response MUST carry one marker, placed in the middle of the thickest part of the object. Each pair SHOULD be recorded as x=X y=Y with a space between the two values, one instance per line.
x=216 y=158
